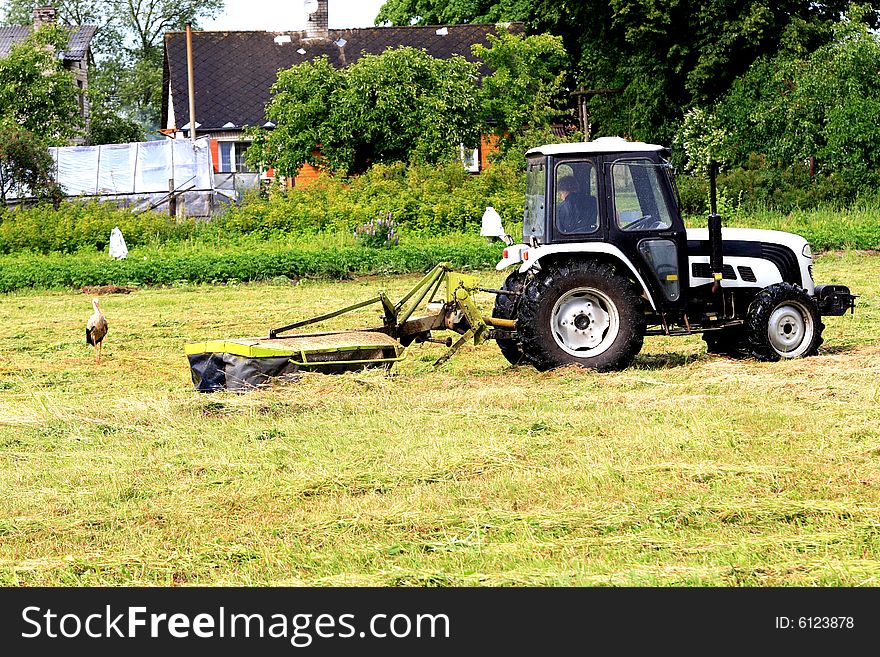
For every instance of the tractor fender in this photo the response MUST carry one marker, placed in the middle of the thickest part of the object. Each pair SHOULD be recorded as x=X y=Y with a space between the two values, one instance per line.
x=531 y=256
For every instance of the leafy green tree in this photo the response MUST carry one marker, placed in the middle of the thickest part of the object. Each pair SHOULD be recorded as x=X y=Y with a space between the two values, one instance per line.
x=127 y=46
x=36 y=92
x=822 y=104
x=300 y=108
x=652 y=60
x=438 y=12
x=525 y=91
x=107 y=126
x=402 y=104
x=26 y=168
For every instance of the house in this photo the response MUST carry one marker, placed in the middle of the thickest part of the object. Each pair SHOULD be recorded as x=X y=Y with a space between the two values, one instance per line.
x=75 y=57
x=233 y=74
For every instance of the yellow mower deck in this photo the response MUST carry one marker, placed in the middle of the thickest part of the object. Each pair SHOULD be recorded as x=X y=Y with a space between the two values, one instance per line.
x=301 y=348
x=244 y=363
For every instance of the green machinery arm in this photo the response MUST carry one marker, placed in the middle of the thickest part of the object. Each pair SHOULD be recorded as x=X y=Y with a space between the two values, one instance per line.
x=459 y=312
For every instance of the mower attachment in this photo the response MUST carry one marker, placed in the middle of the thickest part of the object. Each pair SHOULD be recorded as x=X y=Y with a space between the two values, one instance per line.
x=250 y=362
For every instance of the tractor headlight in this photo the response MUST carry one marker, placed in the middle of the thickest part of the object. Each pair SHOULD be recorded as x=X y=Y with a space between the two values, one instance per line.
x=807 y=252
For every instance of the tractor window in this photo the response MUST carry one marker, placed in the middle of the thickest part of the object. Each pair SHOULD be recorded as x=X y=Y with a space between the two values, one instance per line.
x=536 y=186
x=638 y=196
x=576 y=210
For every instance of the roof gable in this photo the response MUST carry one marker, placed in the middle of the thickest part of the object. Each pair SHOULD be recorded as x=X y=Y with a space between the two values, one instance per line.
x=77 y=44
x=233 y=72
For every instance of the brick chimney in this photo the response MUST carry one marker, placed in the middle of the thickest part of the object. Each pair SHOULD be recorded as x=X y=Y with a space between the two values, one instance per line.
x=46 y=15
x=317 y=24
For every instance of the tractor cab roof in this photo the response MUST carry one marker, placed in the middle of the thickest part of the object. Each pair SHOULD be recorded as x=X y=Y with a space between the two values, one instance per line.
x=602 y=145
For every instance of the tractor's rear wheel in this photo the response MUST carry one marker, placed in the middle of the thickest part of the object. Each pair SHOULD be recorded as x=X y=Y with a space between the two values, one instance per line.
x=505 y=308
x=580 y=313
x=783 y=322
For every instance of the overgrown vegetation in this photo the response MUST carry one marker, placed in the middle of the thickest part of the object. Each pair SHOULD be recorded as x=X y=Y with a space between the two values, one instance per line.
x=165 y=267
x=799 y=127
x=667 y=474
x=311 y=231
x=399 y=105
x=424 y=200
x=26 y=168
x=37 y=94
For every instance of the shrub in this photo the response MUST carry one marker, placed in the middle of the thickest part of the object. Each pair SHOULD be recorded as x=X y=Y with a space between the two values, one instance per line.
x=424 y=200
x=77 y=226
x=65 y=271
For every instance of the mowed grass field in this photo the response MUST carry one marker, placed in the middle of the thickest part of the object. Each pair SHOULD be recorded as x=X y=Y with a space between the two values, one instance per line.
x=686 y=469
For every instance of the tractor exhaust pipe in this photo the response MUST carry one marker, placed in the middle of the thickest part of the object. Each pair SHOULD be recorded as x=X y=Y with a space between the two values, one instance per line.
x=715 y=247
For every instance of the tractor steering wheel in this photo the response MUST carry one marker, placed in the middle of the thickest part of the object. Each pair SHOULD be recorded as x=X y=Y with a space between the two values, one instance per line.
x=643 y=223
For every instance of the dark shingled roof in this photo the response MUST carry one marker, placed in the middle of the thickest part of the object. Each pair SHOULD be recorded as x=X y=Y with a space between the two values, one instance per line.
x=77 y=46
x=233 y=72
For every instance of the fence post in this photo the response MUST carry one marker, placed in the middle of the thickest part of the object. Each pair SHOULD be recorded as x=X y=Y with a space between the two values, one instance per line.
x=172 y=199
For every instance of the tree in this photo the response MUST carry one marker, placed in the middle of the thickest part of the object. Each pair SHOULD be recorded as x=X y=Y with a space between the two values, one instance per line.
x=127 y=46
x=300 y=108
x=36 y=92
x=106 y=126
x=26 y=168
x=823 y=104
x=661 y=57
x=524 y=92
x=402 y=104
x=438 y=12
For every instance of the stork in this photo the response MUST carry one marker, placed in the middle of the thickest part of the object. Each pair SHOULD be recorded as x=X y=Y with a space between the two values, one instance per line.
x=96 y=329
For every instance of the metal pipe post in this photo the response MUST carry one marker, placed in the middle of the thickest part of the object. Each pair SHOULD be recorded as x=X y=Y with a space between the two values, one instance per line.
x=190 y=84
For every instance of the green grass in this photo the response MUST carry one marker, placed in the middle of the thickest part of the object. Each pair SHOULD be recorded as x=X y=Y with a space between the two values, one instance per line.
x=685 y=469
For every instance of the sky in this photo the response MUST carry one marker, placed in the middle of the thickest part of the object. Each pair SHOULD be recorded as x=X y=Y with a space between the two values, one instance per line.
x=288 y=15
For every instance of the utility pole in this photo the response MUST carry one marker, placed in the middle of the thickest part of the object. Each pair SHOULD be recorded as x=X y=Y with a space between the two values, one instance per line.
x=190 y=84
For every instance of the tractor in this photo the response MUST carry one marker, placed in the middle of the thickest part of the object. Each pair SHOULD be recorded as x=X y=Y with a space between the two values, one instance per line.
x=605 y=260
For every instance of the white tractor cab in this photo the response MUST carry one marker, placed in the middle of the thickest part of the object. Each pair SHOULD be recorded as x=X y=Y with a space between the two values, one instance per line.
x=606 y=259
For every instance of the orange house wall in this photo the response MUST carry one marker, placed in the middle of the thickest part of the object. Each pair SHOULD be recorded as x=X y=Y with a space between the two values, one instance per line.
x=309 y=174
x=215 y=155
x=488 y=146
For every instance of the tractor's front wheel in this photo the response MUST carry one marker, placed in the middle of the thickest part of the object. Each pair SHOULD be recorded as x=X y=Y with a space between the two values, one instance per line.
x=580 y=313
x=783 y=322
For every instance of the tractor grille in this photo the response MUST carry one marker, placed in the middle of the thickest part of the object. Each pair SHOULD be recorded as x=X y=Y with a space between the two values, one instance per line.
x=747 y=274
x=781 y=256
x=702 y=270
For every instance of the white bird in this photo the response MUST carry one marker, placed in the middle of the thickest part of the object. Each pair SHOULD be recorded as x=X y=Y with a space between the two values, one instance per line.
x=96 y=329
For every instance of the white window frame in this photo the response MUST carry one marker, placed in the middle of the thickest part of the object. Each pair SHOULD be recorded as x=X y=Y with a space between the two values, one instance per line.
x=233 y=155
x=472 y=163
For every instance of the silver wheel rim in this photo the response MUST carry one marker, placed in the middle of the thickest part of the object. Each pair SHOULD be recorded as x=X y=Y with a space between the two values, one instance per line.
x=584 y=322
x=791 y=329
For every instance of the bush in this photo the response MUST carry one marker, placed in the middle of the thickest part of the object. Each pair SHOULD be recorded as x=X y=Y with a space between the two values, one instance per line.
x=424 y=200
x=76 y=226
x=64 y=271
x=762 y=186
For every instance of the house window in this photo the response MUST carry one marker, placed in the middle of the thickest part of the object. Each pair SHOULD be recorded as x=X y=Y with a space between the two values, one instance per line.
x=232 y=156
x=470 y=159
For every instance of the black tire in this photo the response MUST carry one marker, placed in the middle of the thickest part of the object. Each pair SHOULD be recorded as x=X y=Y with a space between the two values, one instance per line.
x=728 y=341
x=783 y=322
x=505 y=308
x=581 y=313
